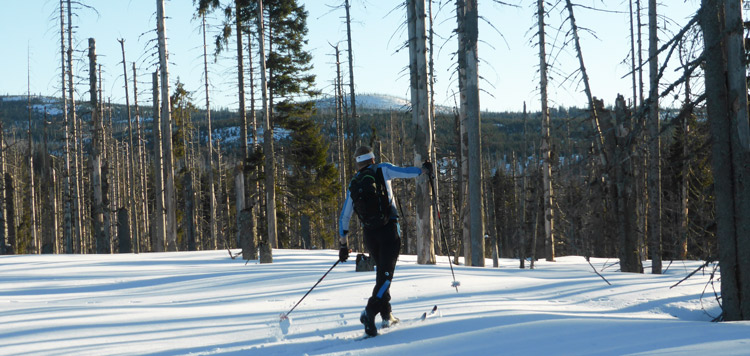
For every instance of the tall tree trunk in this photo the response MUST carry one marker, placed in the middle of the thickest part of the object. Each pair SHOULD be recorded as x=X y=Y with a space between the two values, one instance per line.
x=549 y=223
x=587 y=87
x=254 y=189
x=143 y=179
x=351 y=72
x=654 y=152
x=523 y=230
x=623 y=197
x=473 y=131
x=340 y=134
x=640 y=158
x=728 y=123
x=433 y=153
x=77 y=232
x=240 y=171
x=101 y=235
x=34 y=243
x=682 y=248
x=633 y=55
x=464 y=212
x=67 y=229
x=266 y=255
x=131 y=175
x=170 y=201
x=423 y=122
x=159 y=239
x=210 y=159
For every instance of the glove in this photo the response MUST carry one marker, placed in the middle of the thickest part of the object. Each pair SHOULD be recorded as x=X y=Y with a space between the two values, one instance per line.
x=343 y=252
x=427 y=167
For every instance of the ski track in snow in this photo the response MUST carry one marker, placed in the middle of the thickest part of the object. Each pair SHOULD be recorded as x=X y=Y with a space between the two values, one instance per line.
x=204 y=303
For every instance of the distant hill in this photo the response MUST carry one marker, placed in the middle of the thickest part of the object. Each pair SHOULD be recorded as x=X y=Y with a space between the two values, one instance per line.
x=372 y=101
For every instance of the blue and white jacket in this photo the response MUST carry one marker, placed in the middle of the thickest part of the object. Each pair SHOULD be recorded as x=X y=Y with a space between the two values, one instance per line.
x=389 y=172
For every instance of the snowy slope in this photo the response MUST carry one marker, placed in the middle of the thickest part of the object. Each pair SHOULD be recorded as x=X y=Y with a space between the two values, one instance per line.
x=204 y=303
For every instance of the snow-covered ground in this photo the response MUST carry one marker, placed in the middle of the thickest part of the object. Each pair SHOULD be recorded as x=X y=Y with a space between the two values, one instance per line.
x=202 y=303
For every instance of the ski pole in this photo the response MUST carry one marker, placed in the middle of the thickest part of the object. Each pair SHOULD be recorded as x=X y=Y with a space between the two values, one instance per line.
x=285 y=316
x=442 y=230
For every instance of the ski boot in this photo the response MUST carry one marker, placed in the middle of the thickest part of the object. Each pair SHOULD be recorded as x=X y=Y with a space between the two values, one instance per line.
x=388 y=320
x=368 y=320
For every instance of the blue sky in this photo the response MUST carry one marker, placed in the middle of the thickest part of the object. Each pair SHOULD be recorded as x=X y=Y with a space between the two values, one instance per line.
x=508 y=61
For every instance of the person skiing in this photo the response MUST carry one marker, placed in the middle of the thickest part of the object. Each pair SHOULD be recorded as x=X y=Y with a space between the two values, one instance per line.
x=370 y=195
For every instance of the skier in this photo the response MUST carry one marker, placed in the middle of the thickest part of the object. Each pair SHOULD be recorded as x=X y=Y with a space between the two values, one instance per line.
x=370 y=195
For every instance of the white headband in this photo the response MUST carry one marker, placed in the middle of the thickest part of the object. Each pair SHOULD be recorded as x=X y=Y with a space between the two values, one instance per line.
x=364 y=157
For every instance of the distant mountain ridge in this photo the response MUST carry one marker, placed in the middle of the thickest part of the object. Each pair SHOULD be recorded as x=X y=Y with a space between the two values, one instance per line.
x=373 y=101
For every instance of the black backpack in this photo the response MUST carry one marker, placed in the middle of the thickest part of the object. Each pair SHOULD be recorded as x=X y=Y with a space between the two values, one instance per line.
x=370 y=198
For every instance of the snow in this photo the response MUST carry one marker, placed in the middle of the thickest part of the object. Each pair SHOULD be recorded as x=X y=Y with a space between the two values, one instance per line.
x=204 y=303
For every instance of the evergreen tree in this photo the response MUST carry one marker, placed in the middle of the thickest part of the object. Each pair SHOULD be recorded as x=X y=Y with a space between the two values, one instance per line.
x=313 y=182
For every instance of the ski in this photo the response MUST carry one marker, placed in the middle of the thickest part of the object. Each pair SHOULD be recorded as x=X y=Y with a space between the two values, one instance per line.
x=429 y=314
x=426 y=315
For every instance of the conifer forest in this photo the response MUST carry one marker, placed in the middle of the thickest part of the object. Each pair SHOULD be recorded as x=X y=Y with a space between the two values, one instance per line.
x=657 y=173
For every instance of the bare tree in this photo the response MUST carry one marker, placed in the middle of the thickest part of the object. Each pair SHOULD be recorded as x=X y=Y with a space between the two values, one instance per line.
x=159 y=239
x=210 y=159
x=654 y=152
x=726 y=102
x=67 y=224
x=351 y=71
x=141 y=162
x=266 y=255
x=549 y=233
x=422 y=120
x=34 y=246
x=170 y=201
x=75 y=167
x=239 y=178
x=471 y=23
x=131 y=174
x=101 y=235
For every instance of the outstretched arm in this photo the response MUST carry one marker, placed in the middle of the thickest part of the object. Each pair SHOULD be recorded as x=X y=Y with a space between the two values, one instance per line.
x=391 y=172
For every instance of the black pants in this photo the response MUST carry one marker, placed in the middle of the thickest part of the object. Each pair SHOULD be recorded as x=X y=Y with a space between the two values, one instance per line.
x=384 y=245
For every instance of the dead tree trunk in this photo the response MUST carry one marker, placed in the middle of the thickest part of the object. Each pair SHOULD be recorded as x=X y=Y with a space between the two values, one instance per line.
x=67 y=224
x=549 y=223
x=210 y=159
x=140 y=164
x=423 y=122
x=131 y=175
x=471 y=23
x=266 y=255
x=351 y=72
x=654 y=151
x=240 y=171
x=728 y=123
x=170 y=201
x=254 y=188
x=159 y=239
x=34 y=243
x=463 y=202
x=101 y=235
x=587 y=88
x=75 y=167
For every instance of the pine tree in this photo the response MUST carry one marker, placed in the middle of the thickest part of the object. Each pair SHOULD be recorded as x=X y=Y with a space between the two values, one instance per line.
x=313 y=181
